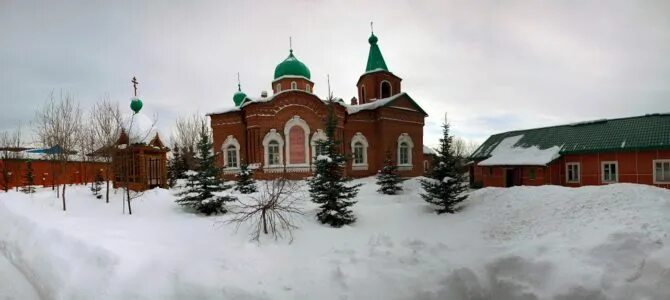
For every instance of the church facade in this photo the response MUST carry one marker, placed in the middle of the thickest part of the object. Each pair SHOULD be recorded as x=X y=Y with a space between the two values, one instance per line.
x=277 y=134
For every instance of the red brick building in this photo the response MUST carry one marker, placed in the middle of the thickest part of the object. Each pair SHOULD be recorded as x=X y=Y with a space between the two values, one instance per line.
x=634 y=150
x=276 y=133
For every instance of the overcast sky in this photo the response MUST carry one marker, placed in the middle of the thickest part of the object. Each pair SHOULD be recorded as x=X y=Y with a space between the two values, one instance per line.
x=493 y=66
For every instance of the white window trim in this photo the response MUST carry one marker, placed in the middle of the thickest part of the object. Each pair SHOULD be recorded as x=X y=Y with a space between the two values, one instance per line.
x=381 y=84
x=319 y=135
x=296 y=121
x=273 y=135
x=294 y=85
x=278 y=87
x=654 y=162
x=230 y=140
x=308 y=88
x=579 y=172
x=602 y=171
x=425 y=165
x=407 y=139
x=360 y=138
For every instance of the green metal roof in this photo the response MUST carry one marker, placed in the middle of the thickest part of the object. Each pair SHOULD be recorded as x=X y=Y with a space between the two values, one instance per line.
x=291 y=66
x=648 y=132
x=375 y=59
x=239 y=96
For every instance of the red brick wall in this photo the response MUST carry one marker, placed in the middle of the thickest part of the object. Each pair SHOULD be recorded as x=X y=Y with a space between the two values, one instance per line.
x=633 y=167
x=372 y=83
x=45 y=173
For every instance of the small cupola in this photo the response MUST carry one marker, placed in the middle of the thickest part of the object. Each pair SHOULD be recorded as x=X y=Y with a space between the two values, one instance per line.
x=377 y=82
x=239 y=96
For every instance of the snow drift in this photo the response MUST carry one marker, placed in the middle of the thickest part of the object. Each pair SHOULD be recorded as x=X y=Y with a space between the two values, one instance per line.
x=608 y=242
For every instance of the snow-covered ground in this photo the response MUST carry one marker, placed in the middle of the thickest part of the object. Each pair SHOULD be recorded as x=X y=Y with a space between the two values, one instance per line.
x=548 y=242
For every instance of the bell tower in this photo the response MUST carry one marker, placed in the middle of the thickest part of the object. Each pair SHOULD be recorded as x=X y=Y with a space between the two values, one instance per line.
x=377 y=82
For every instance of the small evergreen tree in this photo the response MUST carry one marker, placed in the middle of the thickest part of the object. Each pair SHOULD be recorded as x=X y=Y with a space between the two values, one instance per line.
x=198 y=192
x=28 y=179
x=328 y=186
x=97 y=184
x=245 y=180
x=175 y=167
x=445 y=185
x=388 y=179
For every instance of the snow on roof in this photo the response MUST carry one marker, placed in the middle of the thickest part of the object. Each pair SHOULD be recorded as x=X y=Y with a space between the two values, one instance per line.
x=506 y=153
x=352 y=109
x=428 y=150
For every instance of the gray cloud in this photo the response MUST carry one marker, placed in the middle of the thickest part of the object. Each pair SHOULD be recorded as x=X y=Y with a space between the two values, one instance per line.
x=492 y=65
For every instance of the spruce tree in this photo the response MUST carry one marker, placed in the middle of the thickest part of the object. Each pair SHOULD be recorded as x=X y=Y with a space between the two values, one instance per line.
x=328 y=185
x=245 y=180
x=445 y=186
x=174 y=167
x=28 y=179
x=198 y=191
x=387 y=178
x=97 y=184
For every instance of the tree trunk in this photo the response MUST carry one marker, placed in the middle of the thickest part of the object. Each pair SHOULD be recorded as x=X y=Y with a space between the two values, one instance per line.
x=265 y=222
x=63 y=197
x=130 y=211
x=107 y=196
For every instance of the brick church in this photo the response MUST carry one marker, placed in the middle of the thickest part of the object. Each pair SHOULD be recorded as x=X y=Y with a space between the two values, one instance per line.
x=276 y=134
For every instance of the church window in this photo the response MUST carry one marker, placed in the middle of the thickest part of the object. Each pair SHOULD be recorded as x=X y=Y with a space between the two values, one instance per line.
x=317 y=149
x=278 y=87
x=363 y=94
x=308 y=88
x=359 y=148
x=294 y=85
x=405 y=146
x=231 y=152
x=385 y=89
x=273 y=153
x=232 y=157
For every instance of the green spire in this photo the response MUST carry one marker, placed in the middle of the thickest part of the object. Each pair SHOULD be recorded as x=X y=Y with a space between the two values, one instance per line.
x=239 y=96
x=375 y=58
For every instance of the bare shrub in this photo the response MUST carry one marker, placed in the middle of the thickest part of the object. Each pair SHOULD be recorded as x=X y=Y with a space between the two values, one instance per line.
x=271 y=211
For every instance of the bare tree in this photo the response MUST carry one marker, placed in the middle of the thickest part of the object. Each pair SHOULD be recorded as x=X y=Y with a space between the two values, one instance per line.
x=271 y=211
x=185 y=134
x=464 y=148
x=58 y=124
x=10 y=146
x=106 y=121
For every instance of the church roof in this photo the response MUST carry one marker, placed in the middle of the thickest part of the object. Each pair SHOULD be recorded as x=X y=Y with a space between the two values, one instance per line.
x=375 y=59
x=352 y=109
x=291 y=66
x=239 y=96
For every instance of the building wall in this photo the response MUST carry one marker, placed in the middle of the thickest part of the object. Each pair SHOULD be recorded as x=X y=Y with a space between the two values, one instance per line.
x=633 y=167
x=47 y=173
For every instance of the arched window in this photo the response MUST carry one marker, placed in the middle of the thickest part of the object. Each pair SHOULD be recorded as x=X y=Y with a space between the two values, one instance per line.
x=358 y=153
x=405 y=146
x=278 y=87
x=363 y=94
x=359 y=149
x=231 y=161
x=425 y=166
x=385 y=89
x=319 y=135
x=272 y=144
x=296 y=132
x=294 y=85
x=273 y=153
x=404 y=153
x=308 y=88
x=231 y=152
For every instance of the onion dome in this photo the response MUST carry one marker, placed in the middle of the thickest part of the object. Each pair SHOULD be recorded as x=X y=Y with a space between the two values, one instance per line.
x=135 y=104
x=375 y=59
x=239 y=96
x=291 y=66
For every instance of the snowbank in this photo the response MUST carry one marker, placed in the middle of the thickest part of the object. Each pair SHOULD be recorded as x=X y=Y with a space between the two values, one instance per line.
x=547 y=242
x=507 y=154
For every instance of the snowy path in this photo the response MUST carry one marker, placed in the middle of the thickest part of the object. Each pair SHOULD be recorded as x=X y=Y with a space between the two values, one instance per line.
x=12 y=283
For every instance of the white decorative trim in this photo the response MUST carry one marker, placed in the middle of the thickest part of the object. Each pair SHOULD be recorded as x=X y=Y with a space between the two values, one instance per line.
x=405 y=138
x=230 y=140
x=296 y=121
x=579 y=172
x=278 y=88
x=294 y=85
x=273 y=135
x=308 y=88
x=602 y=171
x=319 y=135
x=359 y=138
x=653 y=166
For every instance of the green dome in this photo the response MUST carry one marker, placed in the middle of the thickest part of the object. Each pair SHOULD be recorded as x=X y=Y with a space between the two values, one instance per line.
x=239 y=96
x=291 y=66
x=135 y=104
